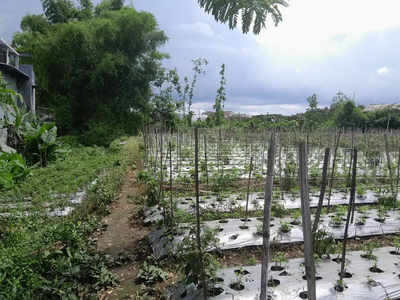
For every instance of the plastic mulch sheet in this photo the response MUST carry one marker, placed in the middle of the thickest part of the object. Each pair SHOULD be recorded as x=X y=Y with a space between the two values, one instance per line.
x=256 y=202
x=360 y=282
x=232 y=236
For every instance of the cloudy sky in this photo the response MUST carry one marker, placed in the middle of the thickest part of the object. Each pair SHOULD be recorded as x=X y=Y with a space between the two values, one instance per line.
x=322 y=47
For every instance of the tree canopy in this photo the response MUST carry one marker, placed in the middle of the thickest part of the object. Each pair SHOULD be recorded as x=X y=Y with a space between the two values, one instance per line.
x=94 y=65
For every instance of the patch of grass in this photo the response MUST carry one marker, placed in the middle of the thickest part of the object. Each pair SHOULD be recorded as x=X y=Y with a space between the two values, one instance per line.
x=55 y=258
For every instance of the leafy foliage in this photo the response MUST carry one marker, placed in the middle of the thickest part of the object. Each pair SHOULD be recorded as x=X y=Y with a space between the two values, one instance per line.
x=253 y=13
x=152 y=190
x=54 y=258
x=109 y=57
x=151 y=274
x=12 y=169
x=220 y=99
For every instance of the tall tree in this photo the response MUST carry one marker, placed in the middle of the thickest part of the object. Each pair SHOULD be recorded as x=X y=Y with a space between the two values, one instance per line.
x=312 y=103
x=59 y=11
x=96 y=73
x=34 y=23
x=252 y=12
x=220 y=99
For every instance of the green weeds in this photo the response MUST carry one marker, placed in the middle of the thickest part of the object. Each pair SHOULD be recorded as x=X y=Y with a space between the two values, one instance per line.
x=55 y=258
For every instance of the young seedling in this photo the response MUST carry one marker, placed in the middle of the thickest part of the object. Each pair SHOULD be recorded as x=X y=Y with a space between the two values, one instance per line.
x=336 y=221
x=296 y=218
x=360 y=191
x=396 y=242
x=368 y=251
x=371 y=282
x=341 y=211
x=382 y=212
x=285 y=227
x=259 y=230
x=375 y=268
x=279 y=259
x=238 y=285
x=339 y=286
x=364 y=211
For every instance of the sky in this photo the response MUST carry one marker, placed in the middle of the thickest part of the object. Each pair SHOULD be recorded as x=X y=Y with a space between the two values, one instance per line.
x=321 y=47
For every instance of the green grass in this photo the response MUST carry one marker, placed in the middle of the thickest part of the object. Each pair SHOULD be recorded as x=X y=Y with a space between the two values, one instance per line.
x=55 y=258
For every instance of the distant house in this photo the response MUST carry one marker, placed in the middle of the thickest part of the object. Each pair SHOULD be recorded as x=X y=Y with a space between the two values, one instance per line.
x=242 y=116
x=19 y=77
x=374 y=107
x=229 y=114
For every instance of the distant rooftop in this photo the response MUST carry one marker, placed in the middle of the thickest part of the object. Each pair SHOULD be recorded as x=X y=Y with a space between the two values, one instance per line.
x=374 y=107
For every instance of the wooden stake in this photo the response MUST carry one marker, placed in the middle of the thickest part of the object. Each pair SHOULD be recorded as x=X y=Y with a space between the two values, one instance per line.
x=267 y=215
x=170 y=185
x=333 y=171
x=389 y=164
x=323 y=187
x=198 y=229
x=205 y=158
x=346 y=229
x=306 y=216
x=248 y=190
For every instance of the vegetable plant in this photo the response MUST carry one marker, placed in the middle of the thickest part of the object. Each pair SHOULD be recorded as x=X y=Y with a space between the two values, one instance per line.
x=151 y=274
x=285 y=227
x=279 y=259
x=368 y=250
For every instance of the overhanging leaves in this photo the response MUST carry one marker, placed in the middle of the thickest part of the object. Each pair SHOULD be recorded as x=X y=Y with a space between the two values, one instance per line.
x=252 y=12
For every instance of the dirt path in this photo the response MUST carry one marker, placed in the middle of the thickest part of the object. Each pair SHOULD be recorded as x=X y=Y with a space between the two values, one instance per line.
x=125 y=240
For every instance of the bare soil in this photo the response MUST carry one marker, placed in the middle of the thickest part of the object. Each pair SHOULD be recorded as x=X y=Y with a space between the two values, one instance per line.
x=125 y=239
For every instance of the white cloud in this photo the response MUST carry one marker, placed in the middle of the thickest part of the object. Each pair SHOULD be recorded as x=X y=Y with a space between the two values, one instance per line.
x=383 y=71
x=314 y=29
x=197 y=28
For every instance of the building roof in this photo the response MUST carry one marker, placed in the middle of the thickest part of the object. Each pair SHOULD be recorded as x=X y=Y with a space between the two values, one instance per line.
x=374 y=107
x=13 y=70
x=228 y=113
x=4 y=46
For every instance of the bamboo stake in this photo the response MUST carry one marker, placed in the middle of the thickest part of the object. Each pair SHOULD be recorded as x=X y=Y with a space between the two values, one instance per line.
x=333 y=170
x=323 y=187
x=351 y=203
x=205 y=158
x=267 y=215
x=306 y=218
x=170 y=185
x=248 y=190
x=389 y=164
x=198 y=232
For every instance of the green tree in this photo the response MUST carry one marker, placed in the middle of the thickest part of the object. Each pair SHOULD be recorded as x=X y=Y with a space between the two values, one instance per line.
x=348 y=115
x=252 y=12
x=59 y=11
x=162 y=105
x=85 y=10
x=198 y=70
x=312 y=103
x=34 y=23
x=96 y=73
x=105 y=6
x=220 y=99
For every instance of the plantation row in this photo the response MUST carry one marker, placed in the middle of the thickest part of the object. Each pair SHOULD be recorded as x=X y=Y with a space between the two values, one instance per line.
x=207 y=193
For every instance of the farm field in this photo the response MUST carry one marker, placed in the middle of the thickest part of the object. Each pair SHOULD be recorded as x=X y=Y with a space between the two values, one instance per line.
x=227 y=203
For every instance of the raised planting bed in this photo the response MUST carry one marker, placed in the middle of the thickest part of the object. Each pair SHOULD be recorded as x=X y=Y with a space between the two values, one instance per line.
x=358 y=283
x=232 y=236
x=256 y=202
